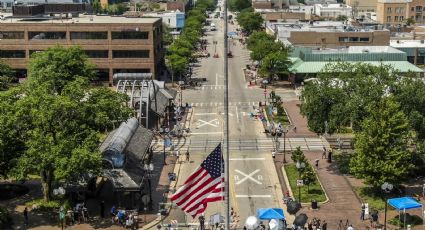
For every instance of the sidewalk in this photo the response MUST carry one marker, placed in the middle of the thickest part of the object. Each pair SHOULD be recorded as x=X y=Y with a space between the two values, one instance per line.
x=293 y=110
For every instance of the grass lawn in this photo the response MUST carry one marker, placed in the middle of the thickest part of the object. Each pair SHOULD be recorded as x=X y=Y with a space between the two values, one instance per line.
x=315 y=191
x=375 y=202
x=282 y=118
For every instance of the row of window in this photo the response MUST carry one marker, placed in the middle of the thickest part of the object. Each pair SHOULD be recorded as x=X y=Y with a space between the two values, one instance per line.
x=353 y=39
x=35 y=35
x=397 y=10
x=396 y=18
x=90 y=53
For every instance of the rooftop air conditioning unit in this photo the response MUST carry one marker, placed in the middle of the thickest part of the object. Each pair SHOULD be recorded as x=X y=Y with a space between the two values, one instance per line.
x=422 y=41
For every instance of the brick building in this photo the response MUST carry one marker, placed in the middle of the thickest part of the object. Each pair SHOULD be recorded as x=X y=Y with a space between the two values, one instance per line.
x=113 y=44
x=396 y=12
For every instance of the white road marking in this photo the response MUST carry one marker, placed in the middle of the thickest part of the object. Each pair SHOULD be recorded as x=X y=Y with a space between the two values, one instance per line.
x=237 y=113
x=248 y=176
x=247 y=159
x=216 y=78
x=203 y=123
x=212 y=133
x=201 y=114
x=253 y=196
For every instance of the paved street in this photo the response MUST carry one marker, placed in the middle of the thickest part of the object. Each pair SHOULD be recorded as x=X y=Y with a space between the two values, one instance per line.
x=254 y=184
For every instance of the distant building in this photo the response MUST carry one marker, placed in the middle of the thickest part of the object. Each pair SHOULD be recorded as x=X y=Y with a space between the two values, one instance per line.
x=362 y=7
x=309 y=62
x=396 y=12
x=113 y=44
x=174 y=20
x=414 y=49
x=6 y=5
x=272 y=15
x=328 y=34
x=332 y=10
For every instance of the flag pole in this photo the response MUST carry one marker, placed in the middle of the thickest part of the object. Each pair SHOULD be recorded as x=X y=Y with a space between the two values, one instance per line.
x=226 y=116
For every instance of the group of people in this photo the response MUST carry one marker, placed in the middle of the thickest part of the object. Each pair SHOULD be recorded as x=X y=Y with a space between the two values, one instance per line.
x=317 y=224
x=127 y=219
x=78 y=214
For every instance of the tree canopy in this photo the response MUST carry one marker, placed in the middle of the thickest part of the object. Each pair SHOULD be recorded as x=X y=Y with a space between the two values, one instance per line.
x=239 y=5
x=57 y=116
x=381 y=153
x=249 y=20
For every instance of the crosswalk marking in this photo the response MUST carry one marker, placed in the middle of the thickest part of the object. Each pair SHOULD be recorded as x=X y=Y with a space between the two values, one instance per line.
x=218 y=87
x=265 y=144
x=215 y=104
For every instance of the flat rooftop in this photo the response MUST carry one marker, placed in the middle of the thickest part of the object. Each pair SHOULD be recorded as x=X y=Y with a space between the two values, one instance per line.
x=407 y=43
x=83 y=19
x=360 y=49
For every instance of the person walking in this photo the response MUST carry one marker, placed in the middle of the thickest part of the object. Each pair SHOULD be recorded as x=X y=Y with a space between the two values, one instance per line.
x=362 y=212
x=350 y=227
x=317 y=163
x=187 y=156
x=102 y=209
x=26 y=216
x=324 y=152
x=324 y=225
x=423 y=192
x=273 y=155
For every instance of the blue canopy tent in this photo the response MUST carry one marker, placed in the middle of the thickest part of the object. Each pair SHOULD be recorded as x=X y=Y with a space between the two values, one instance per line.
x=270 y=213
x=403 y=204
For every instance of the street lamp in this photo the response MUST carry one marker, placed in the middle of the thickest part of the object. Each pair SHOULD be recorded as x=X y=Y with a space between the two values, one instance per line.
x=386 y=188
x=148 y=168
x=265 y=82
x=300 y=166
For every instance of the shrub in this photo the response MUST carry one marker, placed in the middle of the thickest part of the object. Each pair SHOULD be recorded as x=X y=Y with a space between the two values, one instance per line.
x=44 y=206
x=5 y=218
x=342 y=161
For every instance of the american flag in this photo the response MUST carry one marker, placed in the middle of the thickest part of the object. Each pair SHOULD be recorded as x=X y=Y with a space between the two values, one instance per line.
x=205 y=185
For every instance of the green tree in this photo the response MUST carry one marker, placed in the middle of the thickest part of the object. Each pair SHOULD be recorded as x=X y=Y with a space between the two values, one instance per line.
x=275 y=63
x=381 y=153
x=249 y=20
x=62 y=118
x=167 y=38
x=97 y=8
x=57 y=66
x=262 y=44
x=239 y=5
x=11 y=137
x=341 y=18
x=410 y=94
x=6 y=75
x=410 y=21
x=308 y=176
x=298 y=155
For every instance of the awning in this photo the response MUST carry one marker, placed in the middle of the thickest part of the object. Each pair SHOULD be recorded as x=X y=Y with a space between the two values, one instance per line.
x=270 y=213
x=300 y=66
x=404 y=203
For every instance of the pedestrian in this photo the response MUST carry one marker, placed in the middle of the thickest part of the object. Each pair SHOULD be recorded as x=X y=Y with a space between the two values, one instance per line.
x=324 y=225
x=274 y=155
x=350 y=227
x=423 y=192
x=102 y=209
x=113 y=213
x=317 y=163
x=295 y=129
x=363 y=212
x=324 y=152
x=310 y=225
x=187 y=156
x=26 y=216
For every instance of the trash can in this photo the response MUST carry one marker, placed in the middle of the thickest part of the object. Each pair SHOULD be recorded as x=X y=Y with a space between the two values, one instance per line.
x=314 y=204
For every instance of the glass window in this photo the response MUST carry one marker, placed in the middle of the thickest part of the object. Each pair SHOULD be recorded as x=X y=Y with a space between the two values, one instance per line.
x=46 y=35
x=130 y=54
x=12 y=35
x=89 y=35
x=343 y=39
x=96 y=53
x=396 y=18
x=388 y=18
x=354 y=39
x=364 y=39
x=389 y=10
x=12 y=53
x=130 y=35
x=8 y=4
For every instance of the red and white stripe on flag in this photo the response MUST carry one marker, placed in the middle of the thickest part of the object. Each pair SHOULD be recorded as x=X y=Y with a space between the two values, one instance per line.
x=203 y=186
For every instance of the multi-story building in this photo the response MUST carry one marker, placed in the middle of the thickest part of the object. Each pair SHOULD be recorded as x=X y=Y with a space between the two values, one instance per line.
x=332 y=10
x=328 y=34
x=113 y=44
x=362 y=7
x=174 y=20
x=396 y=12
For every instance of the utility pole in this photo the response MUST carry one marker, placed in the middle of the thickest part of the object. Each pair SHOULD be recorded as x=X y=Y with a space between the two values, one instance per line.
x=226 y=115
